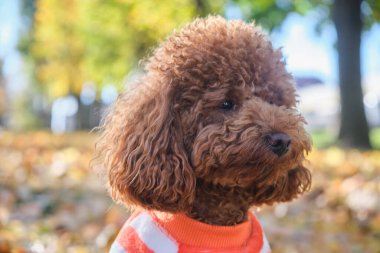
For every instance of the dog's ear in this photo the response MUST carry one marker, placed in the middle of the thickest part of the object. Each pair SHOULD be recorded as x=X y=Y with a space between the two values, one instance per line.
x=141 y=147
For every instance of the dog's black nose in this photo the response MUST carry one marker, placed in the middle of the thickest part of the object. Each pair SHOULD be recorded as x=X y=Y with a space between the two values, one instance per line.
x=279 y=143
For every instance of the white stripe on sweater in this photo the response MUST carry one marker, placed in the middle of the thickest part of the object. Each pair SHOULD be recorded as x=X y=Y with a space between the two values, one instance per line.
x=265 y=248
x=153 y=237
x=117 y=248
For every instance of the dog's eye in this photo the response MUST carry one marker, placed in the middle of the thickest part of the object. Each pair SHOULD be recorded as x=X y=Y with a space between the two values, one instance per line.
x=228 y=105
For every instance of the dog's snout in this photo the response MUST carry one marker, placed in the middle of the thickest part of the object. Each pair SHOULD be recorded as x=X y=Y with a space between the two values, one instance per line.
x=279 y=143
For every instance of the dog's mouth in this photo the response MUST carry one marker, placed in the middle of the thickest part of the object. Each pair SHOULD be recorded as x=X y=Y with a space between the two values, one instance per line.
x=248 y=175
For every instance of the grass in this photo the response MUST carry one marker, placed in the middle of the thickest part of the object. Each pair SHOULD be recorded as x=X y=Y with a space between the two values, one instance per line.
x=324 y=138
x=375 y=138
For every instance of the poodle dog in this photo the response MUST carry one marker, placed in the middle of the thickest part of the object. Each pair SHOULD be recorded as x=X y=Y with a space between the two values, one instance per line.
x=210 y=130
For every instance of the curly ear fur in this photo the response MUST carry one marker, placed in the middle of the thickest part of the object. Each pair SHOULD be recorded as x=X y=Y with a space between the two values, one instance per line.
x=141 y=149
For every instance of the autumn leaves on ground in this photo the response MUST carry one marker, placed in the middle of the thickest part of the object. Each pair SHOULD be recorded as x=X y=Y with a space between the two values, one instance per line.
x=52 y=202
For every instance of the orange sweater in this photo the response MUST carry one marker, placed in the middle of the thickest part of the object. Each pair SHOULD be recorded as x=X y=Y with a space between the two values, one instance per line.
x=155 y=232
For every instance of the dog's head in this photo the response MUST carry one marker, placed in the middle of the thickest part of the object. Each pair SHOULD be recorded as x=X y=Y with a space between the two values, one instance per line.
x=216 y=104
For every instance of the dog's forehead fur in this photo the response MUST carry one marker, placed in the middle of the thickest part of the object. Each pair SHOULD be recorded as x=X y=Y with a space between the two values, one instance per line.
x=216 y=54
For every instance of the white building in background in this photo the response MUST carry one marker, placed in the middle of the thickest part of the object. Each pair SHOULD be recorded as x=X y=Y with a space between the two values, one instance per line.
x=319 y=103
x=372 y=100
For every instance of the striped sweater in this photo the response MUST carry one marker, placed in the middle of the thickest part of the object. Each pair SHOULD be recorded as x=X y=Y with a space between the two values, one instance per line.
x=154 y=232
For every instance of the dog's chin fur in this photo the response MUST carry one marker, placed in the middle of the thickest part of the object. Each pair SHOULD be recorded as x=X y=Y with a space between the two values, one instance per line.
x=169 y=145
x=219 y=204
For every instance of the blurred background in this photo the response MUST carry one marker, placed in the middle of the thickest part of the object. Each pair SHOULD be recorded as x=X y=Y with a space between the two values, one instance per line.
x=63 y=62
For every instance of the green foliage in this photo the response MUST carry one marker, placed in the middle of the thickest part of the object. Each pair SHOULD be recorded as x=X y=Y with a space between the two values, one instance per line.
x=267 y=13
x=101 y=40
x=57 y=47
x=271 y=13
x=119 y=33
x=323 y=138
x=371 y=11
x=206 y=7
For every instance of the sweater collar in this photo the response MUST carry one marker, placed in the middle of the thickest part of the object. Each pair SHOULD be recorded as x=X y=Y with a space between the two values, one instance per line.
x=192 y=232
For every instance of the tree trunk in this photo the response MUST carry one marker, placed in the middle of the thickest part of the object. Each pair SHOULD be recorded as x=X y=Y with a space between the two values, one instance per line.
x=354 y=127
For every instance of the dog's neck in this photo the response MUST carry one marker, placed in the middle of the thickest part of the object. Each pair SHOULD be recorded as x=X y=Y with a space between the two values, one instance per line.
x=219 y=205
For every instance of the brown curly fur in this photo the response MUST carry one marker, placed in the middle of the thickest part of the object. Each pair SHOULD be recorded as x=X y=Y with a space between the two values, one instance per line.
x=168 y=145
